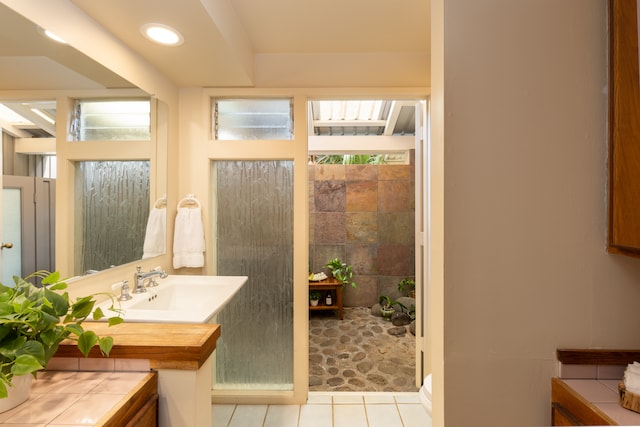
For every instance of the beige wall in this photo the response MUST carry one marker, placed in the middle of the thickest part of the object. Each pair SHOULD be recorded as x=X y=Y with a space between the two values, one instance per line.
x=525 y=158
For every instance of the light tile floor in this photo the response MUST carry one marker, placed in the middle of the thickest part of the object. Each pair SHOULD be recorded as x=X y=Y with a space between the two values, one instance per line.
x=327 y=409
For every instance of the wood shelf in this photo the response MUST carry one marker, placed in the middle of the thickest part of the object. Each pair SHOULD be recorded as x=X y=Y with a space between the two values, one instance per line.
x=328 y=285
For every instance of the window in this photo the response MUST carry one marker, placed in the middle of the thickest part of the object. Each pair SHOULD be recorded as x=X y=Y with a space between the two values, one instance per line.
x=252 y=119
x=112 y=120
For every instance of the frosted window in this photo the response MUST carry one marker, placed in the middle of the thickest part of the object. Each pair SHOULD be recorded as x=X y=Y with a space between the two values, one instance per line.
x=254 y=238
x=249 y=119
x=111 y=211
x=112 y=120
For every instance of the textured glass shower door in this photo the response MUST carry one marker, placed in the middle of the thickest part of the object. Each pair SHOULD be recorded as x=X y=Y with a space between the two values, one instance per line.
x=252 y=225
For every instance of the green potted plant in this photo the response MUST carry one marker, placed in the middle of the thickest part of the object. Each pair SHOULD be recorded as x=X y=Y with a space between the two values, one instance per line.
x=35 y=320
x=314 y=297
x=341 y=271
x=387 y=304
x=407 y=287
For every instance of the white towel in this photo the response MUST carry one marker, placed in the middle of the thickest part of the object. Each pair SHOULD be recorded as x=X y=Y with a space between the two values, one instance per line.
x=632 y=378
x=155 y=238
x=188 y=240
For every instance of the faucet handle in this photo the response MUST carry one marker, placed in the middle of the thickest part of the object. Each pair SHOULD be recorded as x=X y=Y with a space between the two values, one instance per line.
x=124 y=291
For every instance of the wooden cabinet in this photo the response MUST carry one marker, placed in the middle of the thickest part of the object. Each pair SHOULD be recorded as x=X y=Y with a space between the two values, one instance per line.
x=147 y=415
x=624 y=130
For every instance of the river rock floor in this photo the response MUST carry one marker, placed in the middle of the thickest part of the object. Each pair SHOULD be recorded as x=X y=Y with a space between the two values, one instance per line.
x=358 y=354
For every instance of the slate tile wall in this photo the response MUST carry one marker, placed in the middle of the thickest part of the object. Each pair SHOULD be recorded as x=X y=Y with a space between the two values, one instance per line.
x=364 y=215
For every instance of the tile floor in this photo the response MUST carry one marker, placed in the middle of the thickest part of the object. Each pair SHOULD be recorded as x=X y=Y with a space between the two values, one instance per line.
x=329 y=409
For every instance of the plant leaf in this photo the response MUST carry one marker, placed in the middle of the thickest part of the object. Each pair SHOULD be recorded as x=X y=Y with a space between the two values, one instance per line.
x=74 y=328
x=86 y=341
x=60 y=303
x=51 y=278
x=106 y=344
x=98 y=314
x=25 y=364
x=34 y=349
x=3 y=389
x=115 y=320
x=82 y=307
x=5 y=308
x=10 y=348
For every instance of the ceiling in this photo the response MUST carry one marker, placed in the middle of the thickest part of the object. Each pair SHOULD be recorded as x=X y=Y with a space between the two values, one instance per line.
x=231 y=43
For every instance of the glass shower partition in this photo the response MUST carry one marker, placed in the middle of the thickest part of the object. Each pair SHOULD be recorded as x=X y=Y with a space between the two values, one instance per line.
x=252 y=223
x=111 y=210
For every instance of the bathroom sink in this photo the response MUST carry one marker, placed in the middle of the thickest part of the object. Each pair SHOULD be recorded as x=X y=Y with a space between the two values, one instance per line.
x=179 y=299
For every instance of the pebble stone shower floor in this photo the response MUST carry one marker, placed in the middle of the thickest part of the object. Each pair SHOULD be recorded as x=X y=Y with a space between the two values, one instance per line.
x=358 y=354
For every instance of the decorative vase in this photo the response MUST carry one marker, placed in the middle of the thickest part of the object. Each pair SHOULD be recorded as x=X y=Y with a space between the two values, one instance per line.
x=18 y=393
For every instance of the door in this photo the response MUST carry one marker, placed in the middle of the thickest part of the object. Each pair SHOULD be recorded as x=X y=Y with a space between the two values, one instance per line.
x=423 y=356
x=28 y=224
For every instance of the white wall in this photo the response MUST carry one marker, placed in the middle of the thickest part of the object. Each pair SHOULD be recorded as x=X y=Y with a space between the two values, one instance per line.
x=525 y=155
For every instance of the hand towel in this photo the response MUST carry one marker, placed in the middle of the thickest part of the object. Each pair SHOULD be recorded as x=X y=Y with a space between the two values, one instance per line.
x=188 y=240
x=155 y=238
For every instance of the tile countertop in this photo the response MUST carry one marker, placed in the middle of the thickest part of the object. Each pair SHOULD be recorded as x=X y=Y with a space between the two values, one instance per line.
x=603 y=394
x=73 y=398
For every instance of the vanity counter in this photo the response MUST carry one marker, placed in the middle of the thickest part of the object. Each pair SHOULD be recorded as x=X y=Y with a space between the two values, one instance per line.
x=181 y=353
x=586 y=392
x=107 y=399
x=166 y=345
x=589 y=402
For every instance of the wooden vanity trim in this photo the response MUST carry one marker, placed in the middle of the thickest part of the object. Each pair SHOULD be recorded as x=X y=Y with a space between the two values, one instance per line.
x=145 y=394
x=565 y=400
x=597 y=356
x=183 y=346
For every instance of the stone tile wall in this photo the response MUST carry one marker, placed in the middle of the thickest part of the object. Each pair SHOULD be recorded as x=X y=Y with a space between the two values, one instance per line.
x=364 y=215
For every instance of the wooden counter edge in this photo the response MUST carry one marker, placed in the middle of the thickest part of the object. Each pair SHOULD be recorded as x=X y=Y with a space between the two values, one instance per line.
x=163 y=344
x=574 y=356
x=567 y=398
x=132 y=402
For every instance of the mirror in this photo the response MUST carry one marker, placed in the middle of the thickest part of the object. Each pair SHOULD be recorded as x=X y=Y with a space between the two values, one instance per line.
x=34 y=68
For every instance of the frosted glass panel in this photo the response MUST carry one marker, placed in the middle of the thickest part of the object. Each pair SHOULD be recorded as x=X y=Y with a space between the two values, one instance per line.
x=112 y=120
x=111 y=211
x=254 y=238
x=250 y=119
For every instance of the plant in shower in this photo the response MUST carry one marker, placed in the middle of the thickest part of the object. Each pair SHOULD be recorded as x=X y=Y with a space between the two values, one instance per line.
x=387 y=305
x=314 y=297
x=407 y=287
x=35 y=320
x=341 y=271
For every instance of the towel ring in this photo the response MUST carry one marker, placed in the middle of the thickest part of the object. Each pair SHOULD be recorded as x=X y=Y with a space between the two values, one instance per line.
x=189 y=201
x=161 y=202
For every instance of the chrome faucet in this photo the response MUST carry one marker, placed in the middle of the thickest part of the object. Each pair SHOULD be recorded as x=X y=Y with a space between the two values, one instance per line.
x=140 y=277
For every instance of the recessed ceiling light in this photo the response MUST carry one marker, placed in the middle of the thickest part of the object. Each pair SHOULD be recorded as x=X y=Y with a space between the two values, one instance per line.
x=162 y=34
x=52 y=36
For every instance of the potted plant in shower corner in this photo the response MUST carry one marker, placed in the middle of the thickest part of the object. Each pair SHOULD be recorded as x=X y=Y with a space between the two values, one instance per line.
x=314 y=297
x=407 y=287
x=386 y=306
x=341 y=271
x=33 y=323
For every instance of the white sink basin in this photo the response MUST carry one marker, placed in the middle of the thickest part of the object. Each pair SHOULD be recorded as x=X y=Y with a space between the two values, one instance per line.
x=179 y=299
